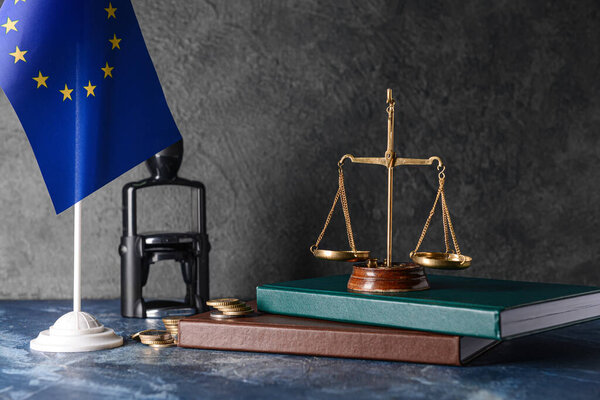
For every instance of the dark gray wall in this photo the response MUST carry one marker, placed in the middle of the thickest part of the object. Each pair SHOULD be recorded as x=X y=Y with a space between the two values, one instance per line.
x=269 y=94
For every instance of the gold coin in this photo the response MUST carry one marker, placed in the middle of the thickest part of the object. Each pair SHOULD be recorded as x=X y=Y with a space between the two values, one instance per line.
x=137 y=334
x=160 y=345
x=241 y=304
x=240 y=312
x=158 y=341
x=155 y=334
x=218 y=315
x=171 y=328
x=172 y=320
x=148 y=341
x=222 y=302
x=223 y=309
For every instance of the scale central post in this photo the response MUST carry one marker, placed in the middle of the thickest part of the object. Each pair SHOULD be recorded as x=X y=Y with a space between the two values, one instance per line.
x=390 y=157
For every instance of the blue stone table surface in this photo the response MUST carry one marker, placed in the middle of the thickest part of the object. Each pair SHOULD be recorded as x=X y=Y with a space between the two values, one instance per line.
x=562 y=364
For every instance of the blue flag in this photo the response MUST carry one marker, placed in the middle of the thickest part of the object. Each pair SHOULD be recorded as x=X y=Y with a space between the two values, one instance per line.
x=79 y=76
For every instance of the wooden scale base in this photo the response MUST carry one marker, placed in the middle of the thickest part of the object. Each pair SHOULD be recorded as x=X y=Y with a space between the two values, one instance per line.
x=400 y=277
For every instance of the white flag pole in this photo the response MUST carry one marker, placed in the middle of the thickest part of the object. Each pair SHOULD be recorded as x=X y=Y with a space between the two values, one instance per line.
x=77 y=262
x=76 y=330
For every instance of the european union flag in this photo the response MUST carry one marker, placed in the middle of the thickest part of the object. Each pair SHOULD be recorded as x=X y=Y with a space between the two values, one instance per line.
x=79 y=76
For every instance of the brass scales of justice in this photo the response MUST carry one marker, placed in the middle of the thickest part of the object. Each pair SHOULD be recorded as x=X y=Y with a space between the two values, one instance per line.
x=372 y=275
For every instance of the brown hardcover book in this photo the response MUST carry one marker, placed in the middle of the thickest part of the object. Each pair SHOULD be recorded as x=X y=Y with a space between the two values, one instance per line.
x=270 y=333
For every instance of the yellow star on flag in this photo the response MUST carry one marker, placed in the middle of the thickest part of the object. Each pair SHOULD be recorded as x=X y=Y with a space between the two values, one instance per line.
x=107 y=70
x=19 y=55
x=111 y=11
x=115 y=42
x=10 y=25
x=66 y=93
x=90 y=89
x=40 y=79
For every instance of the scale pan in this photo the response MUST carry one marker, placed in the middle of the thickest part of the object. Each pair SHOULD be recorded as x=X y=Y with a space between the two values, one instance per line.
x=441 y=260
x=340 y=255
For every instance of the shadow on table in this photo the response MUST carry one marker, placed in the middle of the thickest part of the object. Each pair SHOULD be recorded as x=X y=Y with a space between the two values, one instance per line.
x=573 y=347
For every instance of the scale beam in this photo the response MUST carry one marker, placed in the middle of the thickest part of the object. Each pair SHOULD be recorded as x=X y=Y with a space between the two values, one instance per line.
x=363 y=160
x=418 y=161
x=397 y=161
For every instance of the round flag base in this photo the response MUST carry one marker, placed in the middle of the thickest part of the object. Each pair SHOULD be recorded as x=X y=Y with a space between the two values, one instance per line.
x=69 y=335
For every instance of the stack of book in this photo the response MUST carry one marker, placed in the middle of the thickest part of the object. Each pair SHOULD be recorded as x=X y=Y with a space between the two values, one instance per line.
x=452 y=323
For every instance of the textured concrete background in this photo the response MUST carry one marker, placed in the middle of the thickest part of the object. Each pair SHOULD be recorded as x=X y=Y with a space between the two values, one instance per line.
x=269 y=94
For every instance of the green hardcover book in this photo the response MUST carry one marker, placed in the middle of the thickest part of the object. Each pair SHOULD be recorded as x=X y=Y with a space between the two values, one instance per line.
x=486 y=308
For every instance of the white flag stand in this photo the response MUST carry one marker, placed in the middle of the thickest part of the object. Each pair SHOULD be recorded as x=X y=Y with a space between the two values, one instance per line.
x=76 y=330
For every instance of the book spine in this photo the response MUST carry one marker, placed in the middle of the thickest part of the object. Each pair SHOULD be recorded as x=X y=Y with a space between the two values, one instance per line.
x=431 y=349
x=362 y=310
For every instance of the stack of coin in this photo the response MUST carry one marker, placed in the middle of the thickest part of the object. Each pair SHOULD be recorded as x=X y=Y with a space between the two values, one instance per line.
x=155 y=338
x=172 y=325
x=229 y=308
